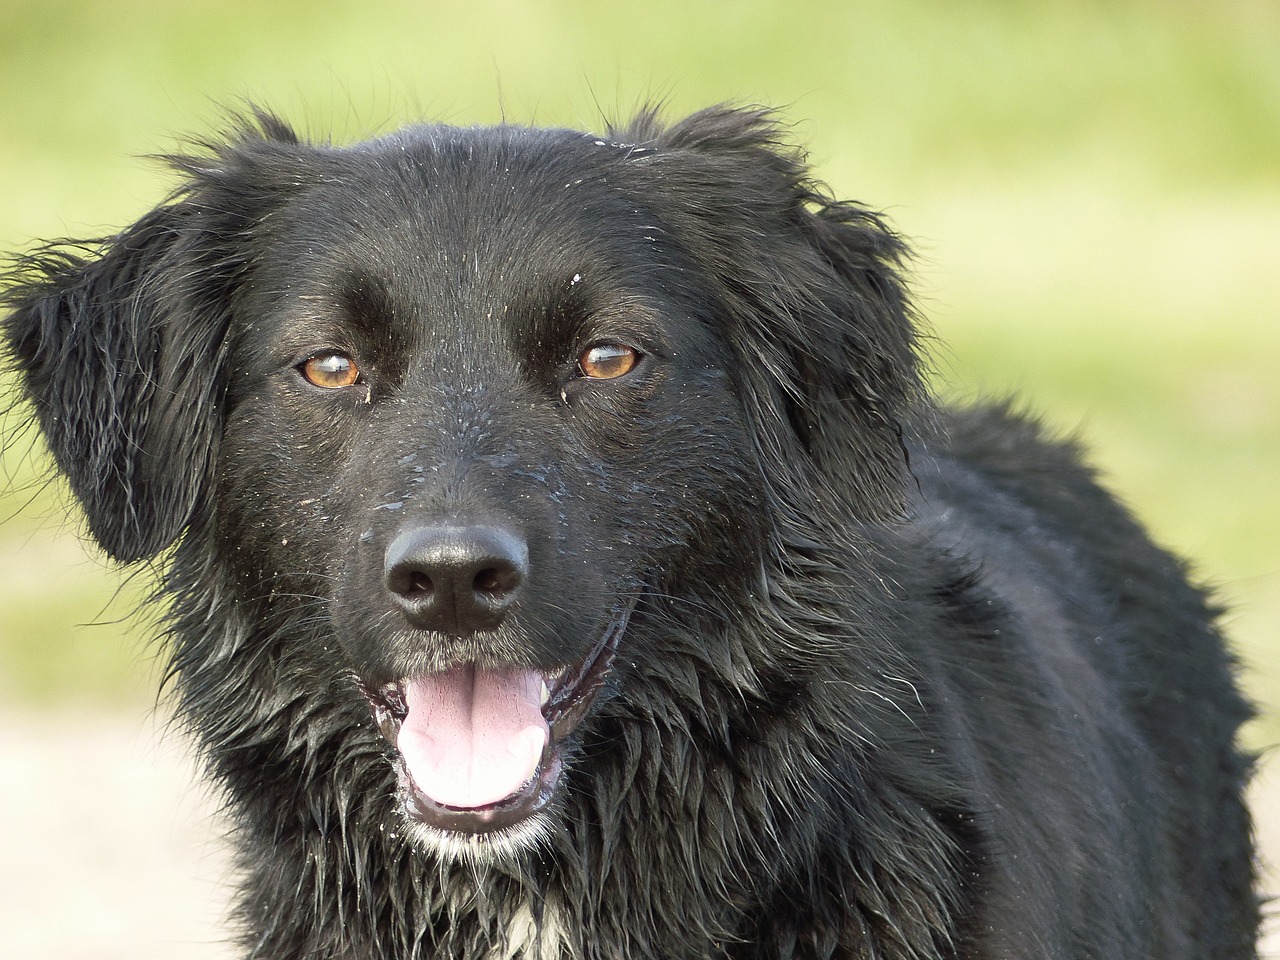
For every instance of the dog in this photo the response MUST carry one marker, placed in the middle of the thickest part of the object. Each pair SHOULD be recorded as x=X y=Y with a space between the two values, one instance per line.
x=563 y=558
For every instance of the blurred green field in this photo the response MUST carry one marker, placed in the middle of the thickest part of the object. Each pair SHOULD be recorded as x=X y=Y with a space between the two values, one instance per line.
x=1094 y=190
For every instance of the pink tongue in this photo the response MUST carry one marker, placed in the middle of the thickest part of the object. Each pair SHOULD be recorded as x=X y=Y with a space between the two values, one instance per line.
x=473 y=737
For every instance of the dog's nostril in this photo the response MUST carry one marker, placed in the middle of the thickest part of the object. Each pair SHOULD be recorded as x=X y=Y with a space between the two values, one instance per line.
x=498 y=580
x=418 y=584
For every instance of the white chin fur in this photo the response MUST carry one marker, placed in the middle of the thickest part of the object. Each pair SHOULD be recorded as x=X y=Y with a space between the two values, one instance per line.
x=479 y=848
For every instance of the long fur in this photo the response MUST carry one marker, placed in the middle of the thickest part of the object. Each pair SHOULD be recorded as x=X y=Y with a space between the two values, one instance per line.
x=899 y=682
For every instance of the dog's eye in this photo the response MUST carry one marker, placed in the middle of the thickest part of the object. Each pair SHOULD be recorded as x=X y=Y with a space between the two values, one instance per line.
x=332 y=371
x=606 y=361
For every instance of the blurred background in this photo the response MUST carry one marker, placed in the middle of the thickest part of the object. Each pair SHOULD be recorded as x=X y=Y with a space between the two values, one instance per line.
x=1093 y=189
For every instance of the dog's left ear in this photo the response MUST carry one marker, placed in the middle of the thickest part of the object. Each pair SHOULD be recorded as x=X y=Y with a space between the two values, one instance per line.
x=811 y=301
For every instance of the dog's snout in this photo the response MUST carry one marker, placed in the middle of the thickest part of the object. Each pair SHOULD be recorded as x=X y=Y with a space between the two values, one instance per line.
x=456 y=579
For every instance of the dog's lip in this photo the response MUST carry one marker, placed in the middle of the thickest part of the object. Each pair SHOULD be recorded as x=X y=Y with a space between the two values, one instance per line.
x=568 y=692
x=571 y=689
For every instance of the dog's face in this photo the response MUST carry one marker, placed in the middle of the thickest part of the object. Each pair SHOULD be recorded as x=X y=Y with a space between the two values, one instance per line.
x=468 y=407
x=453 y=410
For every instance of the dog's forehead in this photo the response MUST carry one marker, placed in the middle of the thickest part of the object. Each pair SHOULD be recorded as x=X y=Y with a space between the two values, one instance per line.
x=457 y=223
x=434 y=199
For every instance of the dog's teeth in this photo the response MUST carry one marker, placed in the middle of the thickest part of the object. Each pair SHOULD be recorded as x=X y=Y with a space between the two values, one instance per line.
x=546 y=694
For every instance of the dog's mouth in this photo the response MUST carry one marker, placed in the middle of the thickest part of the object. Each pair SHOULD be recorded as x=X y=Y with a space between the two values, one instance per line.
x=478 y=748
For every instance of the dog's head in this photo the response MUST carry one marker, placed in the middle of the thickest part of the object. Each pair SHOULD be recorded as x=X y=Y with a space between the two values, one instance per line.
x=465 y=401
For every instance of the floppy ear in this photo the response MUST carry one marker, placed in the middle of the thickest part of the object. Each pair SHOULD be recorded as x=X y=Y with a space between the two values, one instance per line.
x=811 y=299
x=113 y=363
x=120 y=347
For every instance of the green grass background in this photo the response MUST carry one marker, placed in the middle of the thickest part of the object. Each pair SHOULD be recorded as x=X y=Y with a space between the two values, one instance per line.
x=1093 y=188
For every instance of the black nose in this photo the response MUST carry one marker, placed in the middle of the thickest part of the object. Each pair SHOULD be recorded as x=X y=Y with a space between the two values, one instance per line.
x=457 y=579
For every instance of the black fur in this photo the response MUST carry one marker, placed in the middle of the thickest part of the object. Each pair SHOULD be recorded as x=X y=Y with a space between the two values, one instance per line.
x=896 y=683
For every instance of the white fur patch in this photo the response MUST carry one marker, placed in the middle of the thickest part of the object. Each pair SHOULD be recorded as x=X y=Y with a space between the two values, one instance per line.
x=479 y=849
x=525 y=941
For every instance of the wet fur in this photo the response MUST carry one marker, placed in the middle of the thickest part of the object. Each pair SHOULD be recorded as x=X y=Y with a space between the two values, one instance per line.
x=900 y=682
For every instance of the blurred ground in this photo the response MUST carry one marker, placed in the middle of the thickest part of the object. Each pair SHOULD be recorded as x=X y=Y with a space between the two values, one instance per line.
x=112 y=847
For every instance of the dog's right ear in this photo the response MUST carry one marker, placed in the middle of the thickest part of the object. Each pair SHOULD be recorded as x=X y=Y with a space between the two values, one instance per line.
x=114 y=359
x=120 y=345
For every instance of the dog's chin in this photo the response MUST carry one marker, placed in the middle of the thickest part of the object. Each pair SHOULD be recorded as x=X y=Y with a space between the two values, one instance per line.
x=504 y=827
x=479 y=849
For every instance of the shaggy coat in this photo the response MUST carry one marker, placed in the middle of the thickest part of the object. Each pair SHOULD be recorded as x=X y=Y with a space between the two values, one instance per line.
x=563 y=559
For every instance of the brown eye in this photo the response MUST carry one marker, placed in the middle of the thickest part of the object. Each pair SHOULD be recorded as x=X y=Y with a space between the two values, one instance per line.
x=331 y=371
x=606 y=361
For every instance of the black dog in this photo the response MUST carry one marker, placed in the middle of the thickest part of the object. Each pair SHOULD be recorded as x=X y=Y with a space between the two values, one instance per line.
x=597 y=475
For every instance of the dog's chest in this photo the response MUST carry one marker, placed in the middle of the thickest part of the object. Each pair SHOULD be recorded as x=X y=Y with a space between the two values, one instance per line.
x=528 y=940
